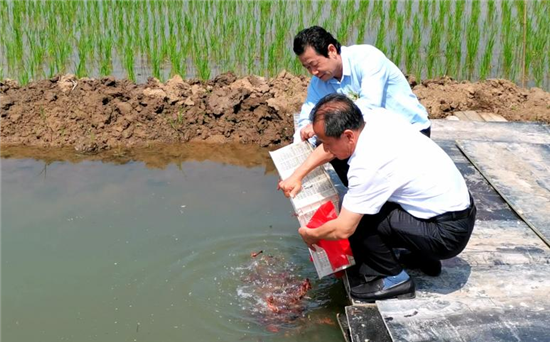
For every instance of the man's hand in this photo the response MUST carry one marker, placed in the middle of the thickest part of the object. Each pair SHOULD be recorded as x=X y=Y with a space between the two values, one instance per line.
x=290 y=186
x=307 y=132
x=305 y=233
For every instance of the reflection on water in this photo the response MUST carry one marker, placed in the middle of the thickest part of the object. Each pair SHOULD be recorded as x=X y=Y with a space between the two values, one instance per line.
x=155 y=250
x=157 y=156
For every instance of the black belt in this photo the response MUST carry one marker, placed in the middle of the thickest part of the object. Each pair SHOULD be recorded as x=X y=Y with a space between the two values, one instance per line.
x=454 y=215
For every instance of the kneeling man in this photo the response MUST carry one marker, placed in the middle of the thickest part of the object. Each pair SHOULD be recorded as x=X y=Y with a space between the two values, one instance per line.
x=404 y=192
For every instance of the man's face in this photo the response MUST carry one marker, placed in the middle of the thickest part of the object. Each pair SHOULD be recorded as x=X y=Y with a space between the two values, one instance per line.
x=318 y=65
x=340 y=147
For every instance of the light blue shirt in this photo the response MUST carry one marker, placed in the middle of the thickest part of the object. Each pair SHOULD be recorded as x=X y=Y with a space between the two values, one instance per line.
x=372 y=81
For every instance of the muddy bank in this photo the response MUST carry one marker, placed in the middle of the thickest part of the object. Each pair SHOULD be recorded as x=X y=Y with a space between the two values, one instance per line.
x=92 y=115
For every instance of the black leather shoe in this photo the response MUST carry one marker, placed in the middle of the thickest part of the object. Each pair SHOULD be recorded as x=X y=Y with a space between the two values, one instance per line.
x=374 y=290
x=429 y=266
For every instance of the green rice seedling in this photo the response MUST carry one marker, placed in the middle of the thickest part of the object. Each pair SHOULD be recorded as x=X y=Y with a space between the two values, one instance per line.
x=444 y=11
x=361 y=22
x=377 y=10
x=83 y=50
x=520 y=6
x=524 y=25
x=433 y=47
x=508 y=57
x=400 y=29
x=334 y=4
x=485 y=67
x=381 y=35
x=36 y=52
x=411 y=46
x=173 y=56
x=106 y=47
x=271 y=59
x=392 y=13
x=472 y=37
x=491 y=11
x=200 y=58
x=417 y=42
x=24 y=77
x=155 y=56
x=17 y=47
x=538 y=33
x=506 y=41
x=318 y=12
x=265 y=10
x=459 y=13
x=408 y=10
x=129 y=62
x=363 y=9
x=301 y=15
x=425 y=11
x=456 y=40
x=346 y=23
x=506 y=10
x=45 y=37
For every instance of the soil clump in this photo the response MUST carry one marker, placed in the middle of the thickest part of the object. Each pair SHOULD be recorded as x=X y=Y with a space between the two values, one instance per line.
x=92 y=115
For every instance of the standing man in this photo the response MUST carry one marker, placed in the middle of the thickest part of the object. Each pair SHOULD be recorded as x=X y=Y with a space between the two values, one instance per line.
x=362 y=72
x=404 y=192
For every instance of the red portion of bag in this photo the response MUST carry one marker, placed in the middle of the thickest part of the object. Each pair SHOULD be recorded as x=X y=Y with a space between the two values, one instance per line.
x=337 y=250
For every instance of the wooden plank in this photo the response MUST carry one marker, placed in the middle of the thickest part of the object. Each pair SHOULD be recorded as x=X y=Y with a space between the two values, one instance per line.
x=461 y=116
x=366 y=324
x=492 y=117
x=495 y=243
x=473 y=115
x=528 y=132
x=520 y=172
x=490 y=205
x=344 y=327
x=466 y=319
x=496 y=117
x=486 y=116
x=519 y=282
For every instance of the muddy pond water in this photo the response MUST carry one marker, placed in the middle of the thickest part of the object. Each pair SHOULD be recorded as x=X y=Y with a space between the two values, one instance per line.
x=154 y=245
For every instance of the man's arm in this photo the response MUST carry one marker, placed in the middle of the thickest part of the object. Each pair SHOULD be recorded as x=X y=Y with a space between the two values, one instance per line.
x=340 y=228
x=293 y=184
x=305 y=130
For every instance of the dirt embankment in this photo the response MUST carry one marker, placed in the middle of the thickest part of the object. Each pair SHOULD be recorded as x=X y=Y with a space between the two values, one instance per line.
x=444 y=96
x=100 y=114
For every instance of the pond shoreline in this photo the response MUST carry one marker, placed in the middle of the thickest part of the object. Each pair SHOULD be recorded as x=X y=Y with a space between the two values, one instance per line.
x=92 y=115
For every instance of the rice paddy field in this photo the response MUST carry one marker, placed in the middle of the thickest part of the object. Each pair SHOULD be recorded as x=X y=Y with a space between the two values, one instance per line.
x=464 y=39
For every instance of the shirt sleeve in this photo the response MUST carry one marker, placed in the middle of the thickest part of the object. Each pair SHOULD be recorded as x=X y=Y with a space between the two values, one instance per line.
x=311 y=100
x=367 y=192
x=374 y=76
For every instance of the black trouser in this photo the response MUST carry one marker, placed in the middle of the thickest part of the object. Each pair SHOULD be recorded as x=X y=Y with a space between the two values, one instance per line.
x=341 y=166
x=376 y=236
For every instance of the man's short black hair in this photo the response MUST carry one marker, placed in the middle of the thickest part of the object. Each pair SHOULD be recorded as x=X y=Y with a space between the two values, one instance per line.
x=316 y=37
x=339 y=113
